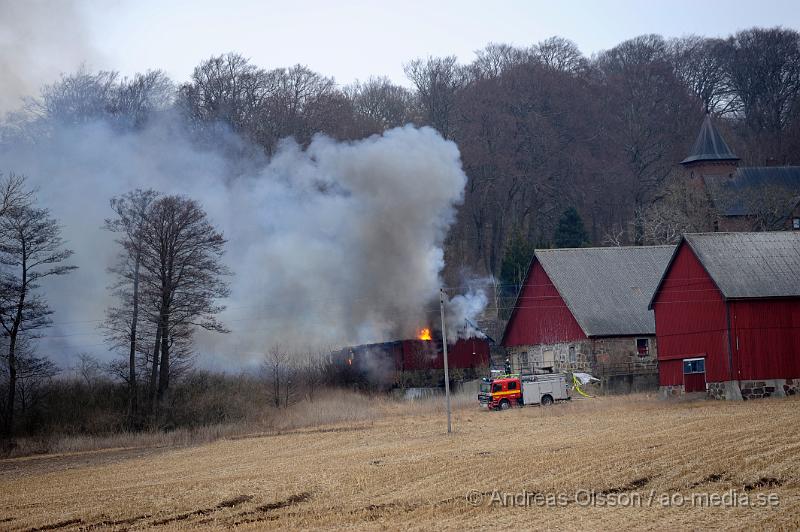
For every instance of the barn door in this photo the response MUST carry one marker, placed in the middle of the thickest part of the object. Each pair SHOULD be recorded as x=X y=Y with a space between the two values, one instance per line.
x=694 y=375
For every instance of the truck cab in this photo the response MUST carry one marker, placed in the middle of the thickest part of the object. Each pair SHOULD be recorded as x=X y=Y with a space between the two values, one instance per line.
x=501 y=393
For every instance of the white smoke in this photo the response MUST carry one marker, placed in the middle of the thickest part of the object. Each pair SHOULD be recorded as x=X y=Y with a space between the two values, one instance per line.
x=463 y=311
x=337 y=244
x=39 y=40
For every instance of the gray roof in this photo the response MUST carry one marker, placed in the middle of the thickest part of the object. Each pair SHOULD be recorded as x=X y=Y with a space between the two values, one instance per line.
x=607 y=289
x=709 y=146
x=755 y=187
x=750 y=265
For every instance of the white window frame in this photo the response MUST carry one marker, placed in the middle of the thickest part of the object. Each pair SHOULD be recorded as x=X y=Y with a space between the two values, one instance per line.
x=695 y=359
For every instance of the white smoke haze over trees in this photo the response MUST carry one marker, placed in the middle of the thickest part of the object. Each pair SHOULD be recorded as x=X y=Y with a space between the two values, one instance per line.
x=343 y=241
x=39 y=40
x=333 y=244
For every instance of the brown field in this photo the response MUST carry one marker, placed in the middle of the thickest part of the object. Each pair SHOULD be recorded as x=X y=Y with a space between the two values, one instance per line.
x=394 y=467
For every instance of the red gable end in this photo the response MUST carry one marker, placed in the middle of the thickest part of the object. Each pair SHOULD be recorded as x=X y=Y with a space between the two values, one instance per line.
x=540 y=315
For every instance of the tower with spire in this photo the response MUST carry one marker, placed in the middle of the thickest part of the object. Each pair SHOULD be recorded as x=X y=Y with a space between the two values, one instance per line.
x=742 y=198
x=710 y=155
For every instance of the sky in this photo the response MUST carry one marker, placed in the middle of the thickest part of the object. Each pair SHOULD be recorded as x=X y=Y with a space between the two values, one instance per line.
x=356 y=39
x=346 y=39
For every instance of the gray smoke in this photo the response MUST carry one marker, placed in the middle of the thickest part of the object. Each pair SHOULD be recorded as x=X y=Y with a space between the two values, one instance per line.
x=336 y=244
x=38 y=41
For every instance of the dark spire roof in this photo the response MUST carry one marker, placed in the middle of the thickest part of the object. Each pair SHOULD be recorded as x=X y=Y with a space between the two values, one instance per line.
x=709 y=146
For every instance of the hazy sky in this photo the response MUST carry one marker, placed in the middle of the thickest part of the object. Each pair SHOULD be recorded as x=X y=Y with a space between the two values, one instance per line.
x=355 y=39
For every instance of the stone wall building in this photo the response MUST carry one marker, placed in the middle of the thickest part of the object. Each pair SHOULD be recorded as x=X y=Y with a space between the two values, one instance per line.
x=585 y=309
x=742 y=198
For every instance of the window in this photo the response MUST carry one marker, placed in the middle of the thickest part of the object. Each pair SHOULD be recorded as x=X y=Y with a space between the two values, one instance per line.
x=497 y=388
x=694 y=365
x=512 y=385
x=643 y=346
x=523 y=359
x=572 y=357
x=795 y=223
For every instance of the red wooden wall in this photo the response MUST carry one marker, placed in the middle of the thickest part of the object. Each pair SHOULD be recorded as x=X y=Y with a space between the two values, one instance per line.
x=766 y=338
x=541 y=315
x=464 y=354
x=690 y=321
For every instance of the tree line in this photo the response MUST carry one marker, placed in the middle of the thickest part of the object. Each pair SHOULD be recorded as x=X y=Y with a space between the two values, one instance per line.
x=559 y=149
x=540 y=128
x=169 y=279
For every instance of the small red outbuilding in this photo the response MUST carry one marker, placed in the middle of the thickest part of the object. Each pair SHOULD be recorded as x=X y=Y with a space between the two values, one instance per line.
x=727 y=316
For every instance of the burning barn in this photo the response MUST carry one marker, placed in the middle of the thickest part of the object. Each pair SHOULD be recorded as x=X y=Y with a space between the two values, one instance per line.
x=412 y=362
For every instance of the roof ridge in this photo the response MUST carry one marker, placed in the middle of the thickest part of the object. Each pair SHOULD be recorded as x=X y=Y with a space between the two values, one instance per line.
x=604 y=247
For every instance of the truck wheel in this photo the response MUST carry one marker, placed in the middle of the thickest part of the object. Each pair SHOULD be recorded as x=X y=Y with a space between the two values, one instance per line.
x=547 y=400
x=504 y=404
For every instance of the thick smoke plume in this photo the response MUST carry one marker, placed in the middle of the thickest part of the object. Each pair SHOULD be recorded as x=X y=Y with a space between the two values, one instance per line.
x=39 y=40
x=335 y=244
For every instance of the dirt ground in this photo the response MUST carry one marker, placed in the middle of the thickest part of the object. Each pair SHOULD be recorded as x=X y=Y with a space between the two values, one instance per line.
x=595 y=464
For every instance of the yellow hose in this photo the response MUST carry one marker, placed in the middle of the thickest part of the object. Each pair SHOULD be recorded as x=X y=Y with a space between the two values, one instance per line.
x=577 y=385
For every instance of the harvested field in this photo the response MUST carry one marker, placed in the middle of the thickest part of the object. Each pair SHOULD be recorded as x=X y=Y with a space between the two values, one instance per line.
x=400 y=470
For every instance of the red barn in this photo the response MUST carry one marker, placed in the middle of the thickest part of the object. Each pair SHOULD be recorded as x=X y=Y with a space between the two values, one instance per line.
x=727 y=314
x=413 y=362
x=586 y=309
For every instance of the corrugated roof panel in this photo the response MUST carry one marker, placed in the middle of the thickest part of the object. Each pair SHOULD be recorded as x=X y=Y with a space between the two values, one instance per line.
x=751 y=265
x=608 y=289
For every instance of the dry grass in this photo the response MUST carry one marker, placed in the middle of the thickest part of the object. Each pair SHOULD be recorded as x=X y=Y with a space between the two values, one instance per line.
x=388 y=464
x=330 y=406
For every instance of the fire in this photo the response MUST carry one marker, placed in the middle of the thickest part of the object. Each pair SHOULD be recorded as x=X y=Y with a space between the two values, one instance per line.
x=424 y=334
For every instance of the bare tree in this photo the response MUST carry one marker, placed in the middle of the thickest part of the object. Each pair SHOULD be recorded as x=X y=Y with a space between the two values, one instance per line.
x=383 y=104
x=137 y=99
x=311 y=372
x=700 y=64
x=493 y=60
x=225 y=88
x=437 y=80
x=182 y=254
x=764 y=70
x=560 y=54
x=13 y=193
x=33 y=373
x=275 y=366
x=31 y=249
x=77 y=98
x=122 y=322
x=681 y=207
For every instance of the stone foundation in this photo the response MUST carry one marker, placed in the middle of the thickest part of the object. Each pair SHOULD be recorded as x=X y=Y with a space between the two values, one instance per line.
x=715 y=390
x=756 y=389
x=741 y=390
x=667 y=392
x=726 y=390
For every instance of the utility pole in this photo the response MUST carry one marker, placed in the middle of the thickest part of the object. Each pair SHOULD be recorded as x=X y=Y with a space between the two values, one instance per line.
x=444 y=349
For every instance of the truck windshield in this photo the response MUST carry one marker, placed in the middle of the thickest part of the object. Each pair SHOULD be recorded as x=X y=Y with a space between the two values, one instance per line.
x=486 y=387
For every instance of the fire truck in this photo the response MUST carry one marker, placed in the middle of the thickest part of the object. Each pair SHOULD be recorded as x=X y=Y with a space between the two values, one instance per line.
x=509 y=390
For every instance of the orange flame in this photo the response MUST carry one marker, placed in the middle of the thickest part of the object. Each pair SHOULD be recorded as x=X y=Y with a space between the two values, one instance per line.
x=424 y=334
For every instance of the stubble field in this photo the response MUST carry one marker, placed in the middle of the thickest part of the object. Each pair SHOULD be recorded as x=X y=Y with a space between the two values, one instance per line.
x=637 y=458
